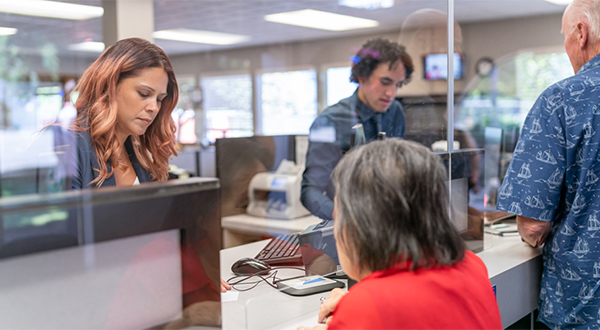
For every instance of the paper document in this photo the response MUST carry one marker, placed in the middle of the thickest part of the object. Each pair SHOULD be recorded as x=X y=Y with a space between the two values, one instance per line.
x=502 y=229
x=229 y=296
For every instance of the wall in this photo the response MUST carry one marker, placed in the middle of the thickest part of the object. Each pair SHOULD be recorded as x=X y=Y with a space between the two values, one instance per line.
x=494 y=39
x=288 y=56
x=500 y=38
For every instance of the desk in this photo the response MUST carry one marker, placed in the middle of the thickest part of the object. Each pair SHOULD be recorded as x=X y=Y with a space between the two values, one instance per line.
x=264 y=307
x=235 y=227
x=514 y=268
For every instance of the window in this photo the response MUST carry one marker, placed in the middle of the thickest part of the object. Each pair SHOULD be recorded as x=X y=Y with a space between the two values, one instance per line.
x=338 y=84
x=288 y=101
x=184 y=113
x=494 y=110
x=228 y=106
x=508 y=94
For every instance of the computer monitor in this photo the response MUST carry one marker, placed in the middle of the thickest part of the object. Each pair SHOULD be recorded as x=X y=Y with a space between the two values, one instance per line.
x=239 y=159
x=436 y=66
x=269 y=150
x=133 y=257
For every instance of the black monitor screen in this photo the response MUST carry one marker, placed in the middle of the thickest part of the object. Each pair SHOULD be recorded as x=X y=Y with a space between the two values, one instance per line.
x=134 y=257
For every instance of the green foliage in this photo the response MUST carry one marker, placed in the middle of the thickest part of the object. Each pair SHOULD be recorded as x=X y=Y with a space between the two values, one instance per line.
x=50 y=60
x=12 y=68
x=504 y=98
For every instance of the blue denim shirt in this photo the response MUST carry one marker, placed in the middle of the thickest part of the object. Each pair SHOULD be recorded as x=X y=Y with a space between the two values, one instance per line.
x=329 y=139
x=555 y=176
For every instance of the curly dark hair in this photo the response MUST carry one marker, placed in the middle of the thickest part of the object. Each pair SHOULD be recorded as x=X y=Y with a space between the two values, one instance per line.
x=392 y=206
x=376 y=51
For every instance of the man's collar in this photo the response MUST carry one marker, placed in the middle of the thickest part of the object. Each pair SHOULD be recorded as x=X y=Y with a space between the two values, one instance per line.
x=364 y=113
x=594 y=62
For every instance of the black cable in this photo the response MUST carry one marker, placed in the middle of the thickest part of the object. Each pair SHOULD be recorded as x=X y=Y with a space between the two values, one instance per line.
x=254 y=284
x=289 y=267
x=277 y=280
x=265 y=279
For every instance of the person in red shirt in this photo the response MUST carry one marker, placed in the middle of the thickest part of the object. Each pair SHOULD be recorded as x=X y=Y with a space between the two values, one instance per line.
x=394 y=236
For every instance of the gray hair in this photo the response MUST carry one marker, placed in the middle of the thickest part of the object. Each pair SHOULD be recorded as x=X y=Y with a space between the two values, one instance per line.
x=587 y=11
x=392 y=206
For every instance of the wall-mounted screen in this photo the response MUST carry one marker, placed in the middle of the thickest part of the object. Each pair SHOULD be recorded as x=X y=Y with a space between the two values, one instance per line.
x=436 y=66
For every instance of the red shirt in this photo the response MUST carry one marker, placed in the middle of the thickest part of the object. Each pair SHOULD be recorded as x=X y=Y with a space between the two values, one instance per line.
x=452 y=297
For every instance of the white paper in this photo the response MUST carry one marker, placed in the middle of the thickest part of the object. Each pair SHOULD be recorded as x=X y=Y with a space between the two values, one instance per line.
x=229 y=296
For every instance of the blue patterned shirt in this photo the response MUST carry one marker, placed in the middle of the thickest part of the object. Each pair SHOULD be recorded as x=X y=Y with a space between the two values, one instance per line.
x=555 y=176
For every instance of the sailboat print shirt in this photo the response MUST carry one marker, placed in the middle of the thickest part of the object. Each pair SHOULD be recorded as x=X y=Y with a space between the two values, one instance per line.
x=554 y=176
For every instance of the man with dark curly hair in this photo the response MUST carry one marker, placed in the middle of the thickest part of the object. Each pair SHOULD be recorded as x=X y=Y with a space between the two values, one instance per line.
x=380 y=67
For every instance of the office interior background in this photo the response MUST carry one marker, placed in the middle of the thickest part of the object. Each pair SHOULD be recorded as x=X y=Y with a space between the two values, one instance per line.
x=268 y=68
x=244 y=69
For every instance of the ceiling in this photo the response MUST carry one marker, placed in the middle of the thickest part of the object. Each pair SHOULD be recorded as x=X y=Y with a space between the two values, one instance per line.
x=245 y=17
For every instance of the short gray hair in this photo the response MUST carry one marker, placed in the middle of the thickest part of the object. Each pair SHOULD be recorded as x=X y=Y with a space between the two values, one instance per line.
x=392 y=206
x=587 y=11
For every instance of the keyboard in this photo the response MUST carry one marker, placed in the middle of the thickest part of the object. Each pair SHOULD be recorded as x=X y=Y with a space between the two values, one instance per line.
x=283 y=250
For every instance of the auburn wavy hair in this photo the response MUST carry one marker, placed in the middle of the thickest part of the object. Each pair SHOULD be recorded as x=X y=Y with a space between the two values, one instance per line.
x=97 y=108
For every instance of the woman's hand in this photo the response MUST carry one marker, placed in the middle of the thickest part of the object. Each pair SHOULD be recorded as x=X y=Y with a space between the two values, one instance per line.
x=225 y=286
x=330 y=304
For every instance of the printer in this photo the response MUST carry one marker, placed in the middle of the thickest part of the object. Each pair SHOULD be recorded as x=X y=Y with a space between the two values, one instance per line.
x=277 y=195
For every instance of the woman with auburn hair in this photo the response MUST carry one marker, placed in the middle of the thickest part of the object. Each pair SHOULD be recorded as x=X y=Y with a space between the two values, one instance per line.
x=125 y=134
x=124 y=131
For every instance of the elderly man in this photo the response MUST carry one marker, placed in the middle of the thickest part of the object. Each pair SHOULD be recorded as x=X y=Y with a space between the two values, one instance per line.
x=380 y=68
x=553 y=181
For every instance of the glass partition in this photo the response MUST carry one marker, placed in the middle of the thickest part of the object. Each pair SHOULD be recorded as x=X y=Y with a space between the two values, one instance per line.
x=184 y=114
x=287 y=102
x=40 y=59
x=228 y=105
x=502 y=79
x=338 y=84
x=252 y=69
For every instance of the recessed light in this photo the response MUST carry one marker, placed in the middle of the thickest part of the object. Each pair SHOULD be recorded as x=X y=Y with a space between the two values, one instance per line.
x=200 y=37
x=88 y=46
x=560 y=2
x=6 y=31
x=367 y=4
x=322 y=20
x=53 y=9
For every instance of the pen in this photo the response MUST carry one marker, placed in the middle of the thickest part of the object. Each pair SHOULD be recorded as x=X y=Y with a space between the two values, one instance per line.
x=512 y=233
x=508 y=234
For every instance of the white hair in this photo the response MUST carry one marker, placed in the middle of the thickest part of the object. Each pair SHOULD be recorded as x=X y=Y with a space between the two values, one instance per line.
x=588 y=12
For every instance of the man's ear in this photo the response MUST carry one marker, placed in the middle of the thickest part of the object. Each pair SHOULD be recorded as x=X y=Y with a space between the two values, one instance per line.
x=582 y=34
x=361 y=80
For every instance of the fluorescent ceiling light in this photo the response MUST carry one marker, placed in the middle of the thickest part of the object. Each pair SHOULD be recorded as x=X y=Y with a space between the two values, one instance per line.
x=560 y=2
x=200 y=37
x=321 y=20
x=53 y=9
x=88 y=46
x=367 y=4
x=6 y=31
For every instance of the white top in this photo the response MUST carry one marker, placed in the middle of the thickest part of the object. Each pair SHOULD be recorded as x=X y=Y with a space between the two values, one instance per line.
x=136 y=182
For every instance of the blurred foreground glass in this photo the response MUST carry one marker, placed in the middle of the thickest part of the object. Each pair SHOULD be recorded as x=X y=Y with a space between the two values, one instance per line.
x=288 y=101
x=39 y=65
x=228 y=106
x=135 y=257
